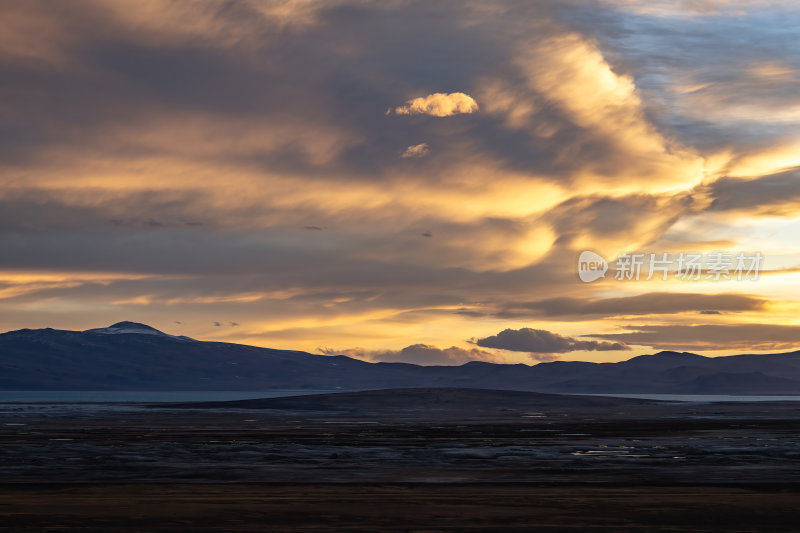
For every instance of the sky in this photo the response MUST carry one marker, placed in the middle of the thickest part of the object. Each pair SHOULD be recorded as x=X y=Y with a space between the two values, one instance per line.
x=403 y=180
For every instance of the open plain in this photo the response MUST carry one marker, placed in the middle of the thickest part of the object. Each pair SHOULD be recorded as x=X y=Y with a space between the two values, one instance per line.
x=402 y=460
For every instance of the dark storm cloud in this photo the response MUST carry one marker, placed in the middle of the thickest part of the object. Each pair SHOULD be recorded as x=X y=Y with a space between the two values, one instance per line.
x=653 y=303
x=543 y=341
x=756 y=337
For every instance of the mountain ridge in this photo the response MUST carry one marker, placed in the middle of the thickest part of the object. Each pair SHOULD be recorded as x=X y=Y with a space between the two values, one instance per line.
x=135 y=356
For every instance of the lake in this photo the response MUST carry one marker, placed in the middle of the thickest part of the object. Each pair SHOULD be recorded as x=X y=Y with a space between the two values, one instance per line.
x=209 y=396
x=146 y=396
x=705 y=398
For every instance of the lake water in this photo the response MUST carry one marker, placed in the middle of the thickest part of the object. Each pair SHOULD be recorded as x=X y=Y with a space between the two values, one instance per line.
x=212 y=396
x=146 y=396
x=705 y=398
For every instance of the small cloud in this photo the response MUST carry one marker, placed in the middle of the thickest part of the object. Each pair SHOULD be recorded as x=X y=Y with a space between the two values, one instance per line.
x=136 y=223
x=313 y=228
x=217 y=324
x=178 y=322
x=463 y=311
x=426 y=234
x=438 y=105
x=710 y=312
x=540 y=341
x=234 y=324
x=416 y=151
x=545 y=357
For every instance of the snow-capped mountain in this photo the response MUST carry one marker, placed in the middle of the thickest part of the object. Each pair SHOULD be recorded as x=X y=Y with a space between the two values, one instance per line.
x=134 y=328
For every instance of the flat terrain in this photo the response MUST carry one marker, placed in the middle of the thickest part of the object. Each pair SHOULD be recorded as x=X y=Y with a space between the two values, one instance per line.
x=395 y=508
x=422 y=460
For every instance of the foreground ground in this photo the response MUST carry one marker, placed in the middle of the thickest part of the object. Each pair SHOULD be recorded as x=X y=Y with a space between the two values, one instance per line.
x=394 y=508
x=402 y=461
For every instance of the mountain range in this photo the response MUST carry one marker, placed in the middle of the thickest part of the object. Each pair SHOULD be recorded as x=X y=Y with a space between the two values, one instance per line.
x=132 y=356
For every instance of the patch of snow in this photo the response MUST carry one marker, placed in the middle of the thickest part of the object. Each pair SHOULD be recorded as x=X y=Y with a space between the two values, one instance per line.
x=136 y=328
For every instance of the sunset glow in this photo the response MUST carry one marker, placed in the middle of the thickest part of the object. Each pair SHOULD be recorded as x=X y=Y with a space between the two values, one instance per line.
x=360 y=178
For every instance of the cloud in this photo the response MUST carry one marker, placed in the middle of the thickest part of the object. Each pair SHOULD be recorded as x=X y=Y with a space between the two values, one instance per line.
x=556 y=69
x=651 y=303
x=711 y=86
x=151 y=153
x=418 y=354
x=611 y=224
x=416 y=151
x=693 y=8
x=544 y=357
x=746 y=337
x=772 y=195
x=438 y=105
x=537 y=341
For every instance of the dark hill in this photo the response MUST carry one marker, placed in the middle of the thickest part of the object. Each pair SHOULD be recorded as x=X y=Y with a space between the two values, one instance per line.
x=132 y=356
x=459 y=400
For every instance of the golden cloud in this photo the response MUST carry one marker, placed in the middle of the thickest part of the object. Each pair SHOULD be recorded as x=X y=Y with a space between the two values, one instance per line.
x=438 y=105
x=561 y=68
x=416 y=150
